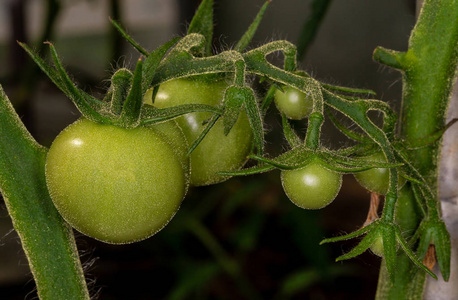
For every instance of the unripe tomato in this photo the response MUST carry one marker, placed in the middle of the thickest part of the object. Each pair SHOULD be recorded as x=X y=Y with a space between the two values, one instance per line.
x=375 y=180
x=311 y=187
x=217 y=152
x=116 y=185
x=295 y=104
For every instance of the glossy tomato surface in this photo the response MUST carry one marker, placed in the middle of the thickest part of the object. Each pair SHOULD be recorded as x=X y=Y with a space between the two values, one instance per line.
x=375 y=180
x=116 y=185
x=217 y=152
x=295 y=104
x=311 y=187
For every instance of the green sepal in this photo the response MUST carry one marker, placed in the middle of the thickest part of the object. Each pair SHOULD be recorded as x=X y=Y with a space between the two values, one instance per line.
x=248 y=35
x=129 y=38
x=351 y=134
x=130 y=114
x=254 y=117
x=204 y=132
x=351 y=235
x=293 y=139
x=261 y=168
x=202 y=23
x=362 y=246
x=349 y=90
x=152 y=62
x=269 y=97
x=411 y=255
x=151 y=115
x=435 y=232
x=86 y=104
x=121 y=82
x=233 y=102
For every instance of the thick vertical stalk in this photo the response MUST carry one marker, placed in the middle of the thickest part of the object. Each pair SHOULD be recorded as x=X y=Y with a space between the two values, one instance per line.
x=428 y=68
x=46 y=238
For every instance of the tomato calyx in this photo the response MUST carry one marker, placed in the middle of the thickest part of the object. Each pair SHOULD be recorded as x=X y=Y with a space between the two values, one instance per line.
x=122 y=105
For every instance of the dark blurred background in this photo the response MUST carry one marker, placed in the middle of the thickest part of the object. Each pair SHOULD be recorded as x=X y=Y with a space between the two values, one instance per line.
x=242 y=239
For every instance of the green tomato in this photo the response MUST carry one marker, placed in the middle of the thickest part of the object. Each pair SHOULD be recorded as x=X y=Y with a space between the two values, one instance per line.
x=217 y=152
x=375 y=180
x=311 y=187
x=113 y=184
x=293 y=103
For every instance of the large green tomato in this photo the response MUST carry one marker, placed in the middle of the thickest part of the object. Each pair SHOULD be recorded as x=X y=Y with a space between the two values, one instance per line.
x=295 y=104
x=116 y=185
x=216 y=152
x=311 y=187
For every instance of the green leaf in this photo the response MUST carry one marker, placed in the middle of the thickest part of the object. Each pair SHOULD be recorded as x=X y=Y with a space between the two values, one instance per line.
x=202 y=23
x=248 y=35
x=129 y=38
x=47 y=239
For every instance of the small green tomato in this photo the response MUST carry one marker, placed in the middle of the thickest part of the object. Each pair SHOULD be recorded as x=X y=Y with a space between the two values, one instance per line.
x=311 y=187
x=295 y=104
x=375 y=180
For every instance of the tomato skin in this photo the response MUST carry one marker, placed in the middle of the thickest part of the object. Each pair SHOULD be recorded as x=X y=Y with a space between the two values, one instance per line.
x=113 y=184
x=375 y=180
x=377 y=246
x=311 y=187
x=216 y=152
x=295 y=104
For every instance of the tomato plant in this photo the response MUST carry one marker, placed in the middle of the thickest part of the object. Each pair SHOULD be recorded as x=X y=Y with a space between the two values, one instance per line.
x=293 y=103
x=114 y=184
x=217 y=152
x=100 y=188
x=311 y=187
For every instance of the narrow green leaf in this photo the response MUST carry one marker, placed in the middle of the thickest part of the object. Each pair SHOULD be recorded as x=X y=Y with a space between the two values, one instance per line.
x=233 y=101
x=354 y=234
x=249 y=171
x=129 y=38
x=410 y=254
x=347 y=132
x=47 y=239
x=348 y=89
x=150 y=114
x=76 y=95
x=57 y=80
x=254 y=116
x=152 y=62
x=365 y=243
x=204 y=132
x=268 y=98
x=290 y=135
x=202 y=23
x=130 y=114
x=248 y=35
